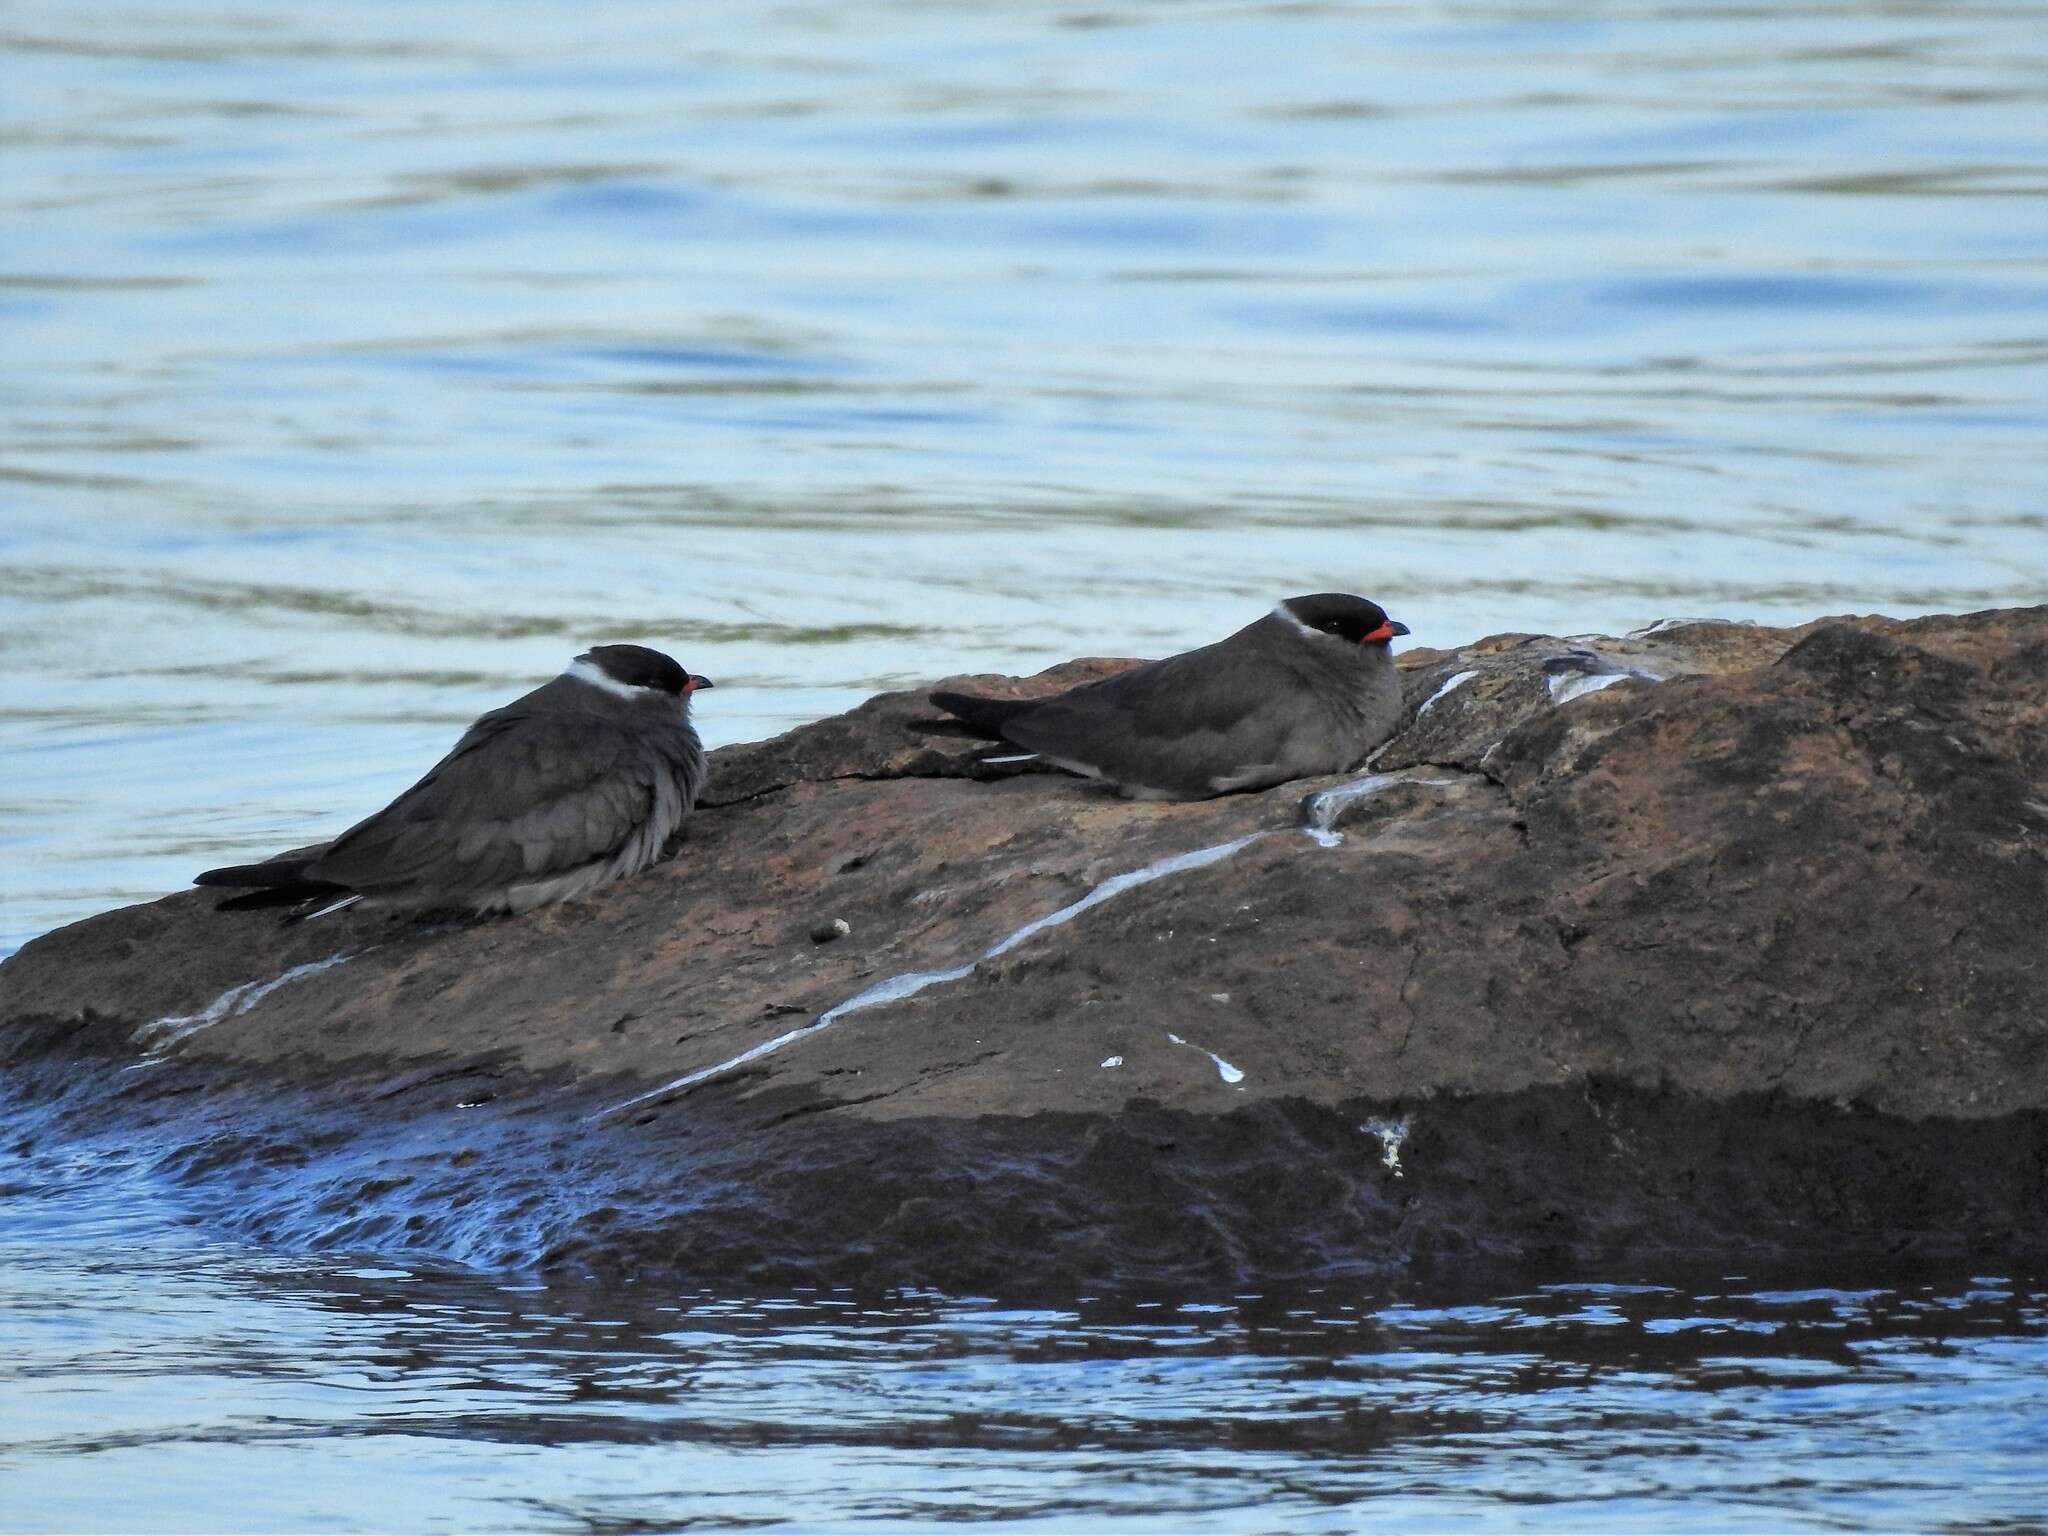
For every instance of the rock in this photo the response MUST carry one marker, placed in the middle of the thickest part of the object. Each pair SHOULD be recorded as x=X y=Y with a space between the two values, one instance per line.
x=826 y=931
x=1709 y=940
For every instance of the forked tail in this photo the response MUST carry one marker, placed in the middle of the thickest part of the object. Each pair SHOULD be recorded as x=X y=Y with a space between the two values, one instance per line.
x=987 y=716
x=274 y=883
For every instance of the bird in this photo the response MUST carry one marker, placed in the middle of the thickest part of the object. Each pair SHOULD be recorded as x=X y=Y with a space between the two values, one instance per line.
x=1308 y=689
x=569 y=787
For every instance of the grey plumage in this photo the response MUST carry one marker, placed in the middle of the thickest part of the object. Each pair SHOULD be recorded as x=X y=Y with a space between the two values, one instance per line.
x=577 y=783
x=1308 y=689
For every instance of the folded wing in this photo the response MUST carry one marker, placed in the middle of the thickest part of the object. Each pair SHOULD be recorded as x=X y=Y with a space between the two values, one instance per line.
x=1182 y=726
x=550 y=795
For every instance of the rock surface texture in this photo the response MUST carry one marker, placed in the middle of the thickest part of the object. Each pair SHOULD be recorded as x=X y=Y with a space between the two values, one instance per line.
x=1714 y=940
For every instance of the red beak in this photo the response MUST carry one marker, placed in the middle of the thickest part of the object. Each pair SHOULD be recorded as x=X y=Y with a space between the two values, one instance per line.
x=1384 y=633
x=697 y=682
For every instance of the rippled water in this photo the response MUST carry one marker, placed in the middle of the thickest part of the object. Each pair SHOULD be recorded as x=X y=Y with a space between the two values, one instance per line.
x=370 y=359
x=153 y=1380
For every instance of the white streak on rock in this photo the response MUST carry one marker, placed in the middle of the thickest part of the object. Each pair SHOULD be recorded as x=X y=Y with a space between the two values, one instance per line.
x=1322 y=809
x=1224 y=1069
x=1116 y=885
x=1391 y=1134
x=1450 y=685
x=1566 y=686
x=892 y=990
x=1574 y=685
x=1661 y=625
x=689 y=1079
x=1114 y=1061
x=896 y=988
x=162 y=1034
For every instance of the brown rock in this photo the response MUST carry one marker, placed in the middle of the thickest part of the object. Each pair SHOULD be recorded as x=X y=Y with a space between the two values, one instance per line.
x=1739 y=951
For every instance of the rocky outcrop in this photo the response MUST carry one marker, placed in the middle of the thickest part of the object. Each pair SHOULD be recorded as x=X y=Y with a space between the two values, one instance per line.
x=1711 y=939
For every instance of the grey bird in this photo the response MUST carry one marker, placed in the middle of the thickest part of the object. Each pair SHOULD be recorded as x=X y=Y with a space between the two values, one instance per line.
x=576 y=784
x=1308 y=689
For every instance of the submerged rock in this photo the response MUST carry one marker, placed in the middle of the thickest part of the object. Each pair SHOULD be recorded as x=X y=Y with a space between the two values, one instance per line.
x=1709 y=939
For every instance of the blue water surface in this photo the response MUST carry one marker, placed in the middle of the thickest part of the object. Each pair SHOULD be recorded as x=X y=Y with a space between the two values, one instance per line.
x=367 y=361
x=156 y=1380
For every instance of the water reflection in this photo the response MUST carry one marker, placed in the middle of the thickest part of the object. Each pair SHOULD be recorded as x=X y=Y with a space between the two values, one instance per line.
x=155 y=1379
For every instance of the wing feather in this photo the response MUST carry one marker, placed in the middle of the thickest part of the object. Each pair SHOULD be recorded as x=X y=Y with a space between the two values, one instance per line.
x=1176 y=725
x=552 y=793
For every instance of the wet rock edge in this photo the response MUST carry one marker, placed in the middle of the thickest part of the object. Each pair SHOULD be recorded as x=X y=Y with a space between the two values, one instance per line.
x=1586 y=1179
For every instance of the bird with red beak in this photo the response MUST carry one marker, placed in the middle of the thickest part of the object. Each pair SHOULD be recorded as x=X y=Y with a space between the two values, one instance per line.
x=1308 y=689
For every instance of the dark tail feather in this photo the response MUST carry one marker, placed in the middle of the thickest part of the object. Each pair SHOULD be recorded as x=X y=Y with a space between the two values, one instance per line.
x=271 y=872
x=279 y=896
x=277 y=883
x=988 y=716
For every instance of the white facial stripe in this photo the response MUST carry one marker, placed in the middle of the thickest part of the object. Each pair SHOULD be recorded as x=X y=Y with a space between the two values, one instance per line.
x=590 y=672
x=1282 y=611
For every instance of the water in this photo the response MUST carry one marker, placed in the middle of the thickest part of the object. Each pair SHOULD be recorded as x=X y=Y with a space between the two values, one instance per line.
x=371 y=359
x=368 y=361
x=155 y=1380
